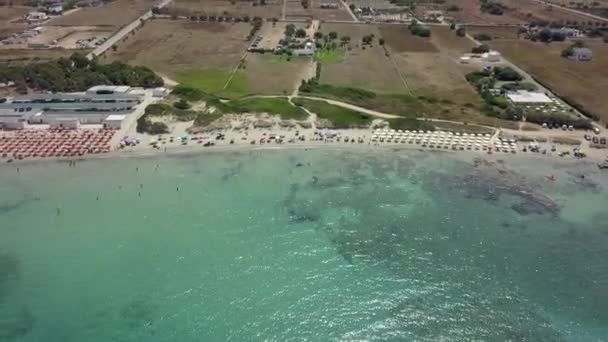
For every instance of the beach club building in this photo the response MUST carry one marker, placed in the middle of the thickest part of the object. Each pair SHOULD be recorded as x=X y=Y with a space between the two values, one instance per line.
x=105 y=105
x=523 y=97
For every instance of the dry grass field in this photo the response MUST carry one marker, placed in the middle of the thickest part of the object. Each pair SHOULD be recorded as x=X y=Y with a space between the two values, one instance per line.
x=497 y=32
x=583 y=82
x=471 y=14
x=10 y=13
x=271 y=75
x=367 y=69
x=399 y=39
x=430 y=66
x=181 y=48
x=524 y=8
x=435 y=75
x=22 y=56
x=295 y=10
x=340 y=13
x=113 y=15
x=272 y=8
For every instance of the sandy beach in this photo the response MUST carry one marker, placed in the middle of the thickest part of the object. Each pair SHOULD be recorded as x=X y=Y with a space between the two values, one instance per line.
x=306 y=139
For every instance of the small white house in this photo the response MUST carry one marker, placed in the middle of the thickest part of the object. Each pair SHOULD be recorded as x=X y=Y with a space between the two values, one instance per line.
x=492 y=57
x=581 y=54
x=114 y=121
x=159 y=92
x=36 y=16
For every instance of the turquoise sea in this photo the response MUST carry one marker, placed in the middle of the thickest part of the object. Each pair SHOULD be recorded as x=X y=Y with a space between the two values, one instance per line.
x=295 y=245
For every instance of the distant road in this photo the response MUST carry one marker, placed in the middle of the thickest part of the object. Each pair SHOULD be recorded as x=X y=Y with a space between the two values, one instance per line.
x=124 y=31
x=571 y=10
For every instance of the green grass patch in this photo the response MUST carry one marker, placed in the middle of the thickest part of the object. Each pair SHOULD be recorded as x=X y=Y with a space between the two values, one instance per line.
x=236 y=88
x=210 y=80
x=328 y=56
x=340 y=117
x=399 y=104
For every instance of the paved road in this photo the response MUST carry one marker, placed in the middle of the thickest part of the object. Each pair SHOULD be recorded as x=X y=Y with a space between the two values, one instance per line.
x=124 y=31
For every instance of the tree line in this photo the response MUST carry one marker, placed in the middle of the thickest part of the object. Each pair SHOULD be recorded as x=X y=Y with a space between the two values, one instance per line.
x=76 y=73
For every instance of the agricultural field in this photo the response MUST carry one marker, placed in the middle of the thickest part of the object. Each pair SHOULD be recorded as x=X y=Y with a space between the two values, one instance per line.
x=198 y=54
x=341 y=13
x=112 y=15
x=423 y=66
x=237 y=8
x=399 y=39
x=295 y=10
x=367 y=68
x=496 y=32
x=10 y=13
x=533 y=10
x=430 y=66
x=23 y=56
x=271 y=74
x=470 y=13
x=582 y=82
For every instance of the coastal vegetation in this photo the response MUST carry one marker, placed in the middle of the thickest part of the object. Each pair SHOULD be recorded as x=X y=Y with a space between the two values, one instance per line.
x=76 y=73
x=339 y=117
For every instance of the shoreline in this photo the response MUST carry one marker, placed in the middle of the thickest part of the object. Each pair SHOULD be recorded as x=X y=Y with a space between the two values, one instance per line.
x=199 y=150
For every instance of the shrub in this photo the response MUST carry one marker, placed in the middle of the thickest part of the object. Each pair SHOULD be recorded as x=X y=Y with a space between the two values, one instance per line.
x=461 y=31
x=506 y=74
x=480 y=49
x=482 y=37
x=182 y=104
x=491 y=7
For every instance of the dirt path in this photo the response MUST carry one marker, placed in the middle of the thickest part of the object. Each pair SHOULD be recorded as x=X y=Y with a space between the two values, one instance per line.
x=349 y=11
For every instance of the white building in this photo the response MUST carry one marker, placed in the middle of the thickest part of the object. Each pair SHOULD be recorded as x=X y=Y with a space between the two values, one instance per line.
x=36 y=16
x=491 y=57
x=95 y=106
x=523 y=97
x=114 y=121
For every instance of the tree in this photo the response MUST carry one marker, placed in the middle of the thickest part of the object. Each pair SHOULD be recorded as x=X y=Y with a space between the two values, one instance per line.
x=318 y=35
x=333 y=35
x=461 y=31
x=301 y=33
x=558 y=36
x=381 y=41
x=507 y=74
x=545 y=35
x=452 y=26
x=453 y=8
x=290 y=30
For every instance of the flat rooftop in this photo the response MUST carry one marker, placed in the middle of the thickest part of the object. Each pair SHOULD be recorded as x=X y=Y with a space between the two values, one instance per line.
x=529 y=97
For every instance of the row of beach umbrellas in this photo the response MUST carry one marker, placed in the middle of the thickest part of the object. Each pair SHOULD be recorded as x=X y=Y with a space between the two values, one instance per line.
x=55 y=143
